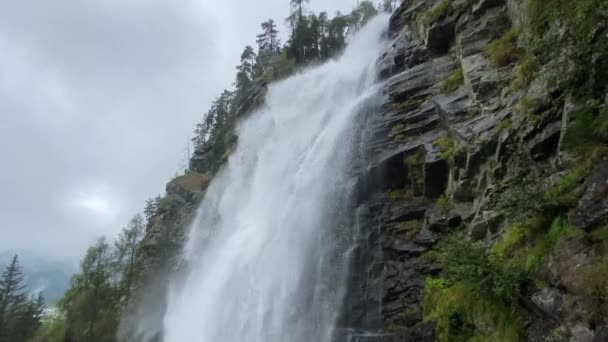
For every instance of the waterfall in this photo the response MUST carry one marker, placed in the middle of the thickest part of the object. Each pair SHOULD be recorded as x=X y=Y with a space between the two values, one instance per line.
x=267 y=256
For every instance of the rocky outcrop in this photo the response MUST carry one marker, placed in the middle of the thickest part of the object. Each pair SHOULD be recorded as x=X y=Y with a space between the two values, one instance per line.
x=438 y=161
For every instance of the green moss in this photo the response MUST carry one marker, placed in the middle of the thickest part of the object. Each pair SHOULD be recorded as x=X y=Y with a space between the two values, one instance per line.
x=525 y=72
x=503 y=125
x=416 y=159
x=445 y=204
x=436 y=13
x=453 y=82
x=527 y=245
x=595 y=280
x=399 y=322
x=588 y=126
x=504 y=50
x=400 y=194
x=448 y=147
x=398 y=128
x=410 y=228
x=400 y=138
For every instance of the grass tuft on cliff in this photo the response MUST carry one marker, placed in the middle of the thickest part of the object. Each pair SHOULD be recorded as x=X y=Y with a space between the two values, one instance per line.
x=453 y=82
x=436 y=13
x=504 y=50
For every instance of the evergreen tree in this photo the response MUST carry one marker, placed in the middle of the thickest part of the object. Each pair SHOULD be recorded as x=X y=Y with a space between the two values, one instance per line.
x=151 y=207
x=297 y=12
x=361 y=14
x=29 y=321
x=12 y=298
x=269 y=46
x=20 y=316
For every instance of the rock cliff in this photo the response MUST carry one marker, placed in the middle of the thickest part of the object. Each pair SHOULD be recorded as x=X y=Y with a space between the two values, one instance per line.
x=466 y=141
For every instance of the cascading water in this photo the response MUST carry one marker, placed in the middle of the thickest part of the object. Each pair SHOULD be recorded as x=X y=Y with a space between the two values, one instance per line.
x=268 y=253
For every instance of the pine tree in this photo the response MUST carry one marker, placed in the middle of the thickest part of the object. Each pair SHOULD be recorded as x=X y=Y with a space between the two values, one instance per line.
x=29 y=321
x=361 y=14
x=12 y=298
x=151 y=208
x=269 y=46
x=297 y=13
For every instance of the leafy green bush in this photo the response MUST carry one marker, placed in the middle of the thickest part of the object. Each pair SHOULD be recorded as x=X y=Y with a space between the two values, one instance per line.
x=475 y=297
x=504 y=50
x=453 y=82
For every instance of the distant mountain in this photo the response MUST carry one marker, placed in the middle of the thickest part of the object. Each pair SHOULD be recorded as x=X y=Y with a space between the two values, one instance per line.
x=50 y=277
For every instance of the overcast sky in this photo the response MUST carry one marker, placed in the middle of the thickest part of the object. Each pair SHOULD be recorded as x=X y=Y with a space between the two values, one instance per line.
x=97 y=101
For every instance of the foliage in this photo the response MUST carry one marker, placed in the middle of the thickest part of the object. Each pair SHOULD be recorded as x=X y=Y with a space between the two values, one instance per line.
x=476 y=296
x=20 y=315
x=504 y=50
x=91 y=307
x=588 y=126
x=525 y=72
x=527 y=244
x=151 y=207
x=453 y=82
x=410 y=228
x=444 y=203
x=571 y=33
x=400 y=194
x=398 y=128
x=417 y=158
x=503 y=125
x=448 y=147
x=436 y=13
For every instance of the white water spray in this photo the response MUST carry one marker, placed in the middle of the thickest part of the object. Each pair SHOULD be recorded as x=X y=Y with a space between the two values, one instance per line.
x=267 y=256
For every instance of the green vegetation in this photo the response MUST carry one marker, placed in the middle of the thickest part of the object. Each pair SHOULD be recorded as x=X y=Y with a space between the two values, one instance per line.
x=401 y=194
x=530 y=107
x=398 y=128
x=400 y=138
x=91 y=307
x=503 y=125
x=453 y=82
x=527 y=244
x=588 y=126
x=445 y=204
x=20 y=313
x=525 y=72
x=448 y=147
x=436 y=13
x=476 y=296
x=416 y=159
x=410 y=228
x=504 y=50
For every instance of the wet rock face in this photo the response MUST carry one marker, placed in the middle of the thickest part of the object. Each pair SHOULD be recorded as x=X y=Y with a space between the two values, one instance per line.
x=592 y=210
x=436 y=155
